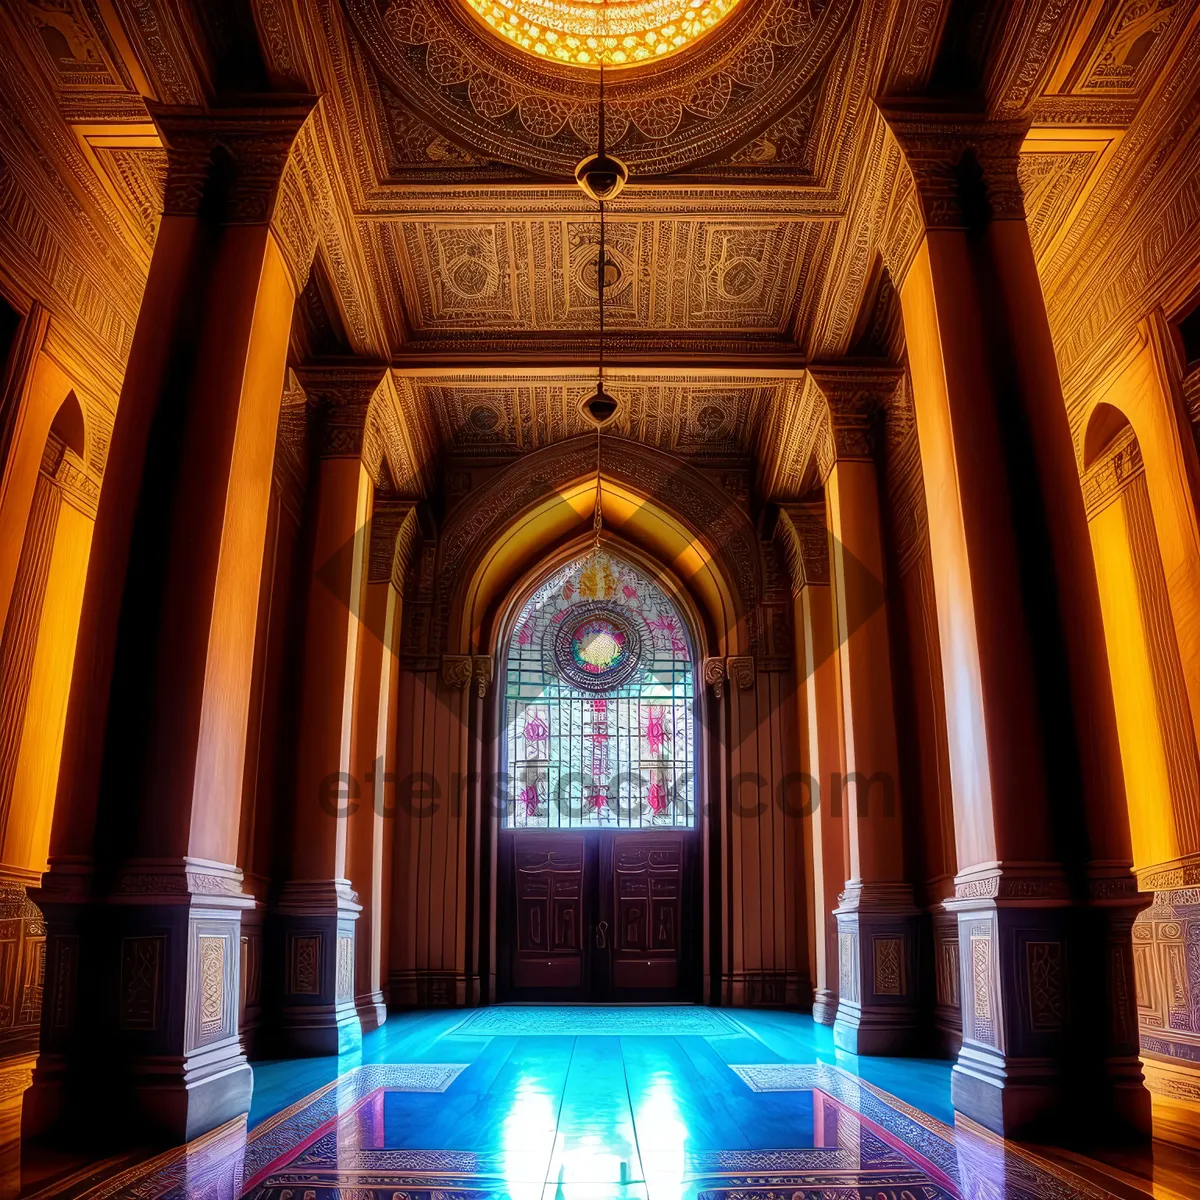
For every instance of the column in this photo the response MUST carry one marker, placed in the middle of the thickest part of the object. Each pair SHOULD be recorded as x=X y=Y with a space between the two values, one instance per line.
x=374 y=753
x=151 y=772
x=1034 y=762
x=317 y=907
x=820 y=734
x=876 y=916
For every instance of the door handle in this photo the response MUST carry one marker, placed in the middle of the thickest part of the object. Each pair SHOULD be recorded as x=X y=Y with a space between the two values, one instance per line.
x=602 y=936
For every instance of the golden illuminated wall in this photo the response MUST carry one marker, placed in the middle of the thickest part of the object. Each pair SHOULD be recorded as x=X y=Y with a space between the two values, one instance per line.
x=1139 y=458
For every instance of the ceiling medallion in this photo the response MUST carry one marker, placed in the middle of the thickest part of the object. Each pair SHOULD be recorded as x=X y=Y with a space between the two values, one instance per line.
x=597 y=647
x=584 y=33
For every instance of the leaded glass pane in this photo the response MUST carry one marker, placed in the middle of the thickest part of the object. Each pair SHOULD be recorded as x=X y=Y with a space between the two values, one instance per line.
x=599 y=714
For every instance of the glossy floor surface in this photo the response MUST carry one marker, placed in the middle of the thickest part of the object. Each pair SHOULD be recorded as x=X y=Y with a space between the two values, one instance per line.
x=648 y=1103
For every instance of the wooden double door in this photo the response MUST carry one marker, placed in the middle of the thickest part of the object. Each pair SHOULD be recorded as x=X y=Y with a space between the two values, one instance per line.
x=599 y=916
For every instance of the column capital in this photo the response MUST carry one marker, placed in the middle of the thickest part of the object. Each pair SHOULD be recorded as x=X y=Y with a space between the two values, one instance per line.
x=852 y=396
x=936 y=143
x=255 y=138
x=341 y=397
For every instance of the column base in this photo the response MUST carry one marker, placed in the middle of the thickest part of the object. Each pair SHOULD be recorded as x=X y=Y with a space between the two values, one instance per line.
x=174 y=970
x=1174 y=1087
x=1001 y=1094
x=1012 y=947
x=203 y=1092
x=372 y=1010
x=825 y=1006
x=878 y=1009
x=16 y=1074
x=315 y=949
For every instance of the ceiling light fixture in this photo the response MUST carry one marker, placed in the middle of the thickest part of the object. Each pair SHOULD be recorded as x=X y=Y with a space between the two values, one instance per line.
x=601 y=176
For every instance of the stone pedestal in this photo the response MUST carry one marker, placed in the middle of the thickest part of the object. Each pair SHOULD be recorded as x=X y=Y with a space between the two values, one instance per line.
x=1012 y=945
x=315 y=930
x=878 y=983
x=174 y=977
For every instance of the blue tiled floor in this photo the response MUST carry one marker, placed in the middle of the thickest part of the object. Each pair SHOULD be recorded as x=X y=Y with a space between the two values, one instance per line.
x=578 y=1096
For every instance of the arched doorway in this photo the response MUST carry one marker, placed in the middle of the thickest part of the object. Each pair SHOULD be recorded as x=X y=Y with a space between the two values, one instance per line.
x=599 y=894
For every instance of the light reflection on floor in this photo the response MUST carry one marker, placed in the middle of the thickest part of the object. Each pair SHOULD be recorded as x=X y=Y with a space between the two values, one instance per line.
x=675 y=1104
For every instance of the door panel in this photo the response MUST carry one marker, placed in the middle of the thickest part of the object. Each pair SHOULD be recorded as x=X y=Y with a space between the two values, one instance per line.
x=549 y=879
x=647 y=889
x=599 y=916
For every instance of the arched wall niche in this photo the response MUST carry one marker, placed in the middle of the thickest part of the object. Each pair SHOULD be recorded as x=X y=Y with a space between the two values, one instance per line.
x=535 y=515
x=1155 y=726
x=1138 y=458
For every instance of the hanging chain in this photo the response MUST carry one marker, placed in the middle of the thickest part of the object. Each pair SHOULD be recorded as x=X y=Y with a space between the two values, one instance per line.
x=601 y=272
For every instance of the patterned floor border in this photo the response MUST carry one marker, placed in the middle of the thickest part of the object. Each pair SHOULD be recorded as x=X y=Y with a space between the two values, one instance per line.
x=970 y=1161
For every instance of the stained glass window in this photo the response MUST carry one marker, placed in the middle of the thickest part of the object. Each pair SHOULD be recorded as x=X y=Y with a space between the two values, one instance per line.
x=621 y=32
x=599 y=717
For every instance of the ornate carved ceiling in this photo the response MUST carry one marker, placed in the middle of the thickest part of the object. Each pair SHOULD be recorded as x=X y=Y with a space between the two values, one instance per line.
x=696 y=106
x=434 y=182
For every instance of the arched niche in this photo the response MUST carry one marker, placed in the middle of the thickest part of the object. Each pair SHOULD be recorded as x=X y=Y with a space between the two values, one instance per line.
x=1154 y=722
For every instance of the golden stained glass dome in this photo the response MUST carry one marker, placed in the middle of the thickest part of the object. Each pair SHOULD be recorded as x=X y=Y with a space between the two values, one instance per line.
x=622 y=33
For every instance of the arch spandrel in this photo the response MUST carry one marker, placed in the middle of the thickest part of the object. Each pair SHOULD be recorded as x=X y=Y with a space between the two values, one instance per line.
x=653 y=501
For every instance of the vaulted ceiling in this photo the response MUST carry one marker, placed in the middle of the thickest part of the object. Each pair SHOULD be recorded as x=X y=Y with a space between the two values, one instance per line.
x=454 y=244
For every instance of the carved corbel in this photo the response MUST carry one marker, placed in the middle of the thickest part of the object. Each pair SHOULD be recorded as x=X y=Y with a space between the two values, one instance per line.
x=806 y=543
x=457 y=670
x=715 y=676
x=253 y=141
x=936 y=146
x=341 y=398
x=740 y=669
x=390 y=519
x=482 y=674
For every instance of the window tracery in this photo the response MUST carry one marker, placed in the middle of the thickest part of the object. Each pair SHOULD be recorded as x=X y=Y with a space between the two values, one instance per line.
x=599 y=704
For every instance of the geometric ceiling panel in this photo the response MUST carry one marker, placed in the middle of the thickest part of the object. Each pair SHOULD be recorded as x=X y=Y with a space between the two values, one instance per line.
x=699 y=418
x=538 y=274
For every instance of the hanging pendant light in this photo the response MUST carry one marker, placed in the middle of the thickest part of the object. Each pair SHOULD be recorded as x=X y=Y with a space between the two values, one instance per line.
x=602 y=180
x=601 y=175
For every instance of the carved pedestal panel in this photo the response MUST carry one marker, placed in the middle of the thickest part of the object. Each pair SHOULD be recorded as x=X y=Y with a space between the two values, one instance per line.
x=947 y=1004
x=314 y=953
x=878 y=986
x=250 y=997
x=1013 y=971
x=172 y=976
x=1166 y=956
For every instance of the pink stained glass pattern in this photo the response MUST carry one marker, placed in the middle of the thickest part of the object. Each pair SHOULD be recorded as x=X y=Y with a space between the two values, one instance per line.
x=655 y=731
x=656 y=796
x=536 y=734
x=529 y=798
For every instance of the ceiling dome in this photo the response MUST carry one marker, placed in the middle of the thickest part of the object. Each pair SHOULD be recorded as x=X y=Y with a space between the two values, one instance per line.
x=622 y=33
